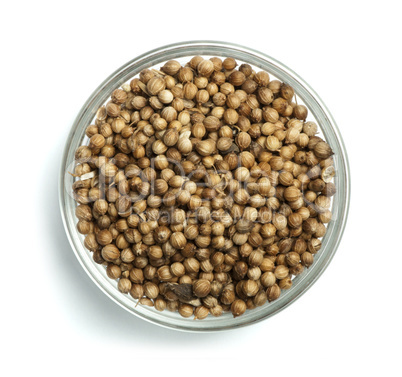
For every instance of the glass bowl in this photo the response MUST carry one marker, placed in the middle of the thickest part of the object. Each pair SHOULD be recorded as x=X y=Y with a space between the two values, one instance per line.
x=317 y=111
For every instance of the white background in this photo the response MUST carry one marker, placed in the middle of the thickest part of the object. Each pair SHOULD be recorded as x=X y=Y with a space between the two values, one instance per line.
x=55 y=321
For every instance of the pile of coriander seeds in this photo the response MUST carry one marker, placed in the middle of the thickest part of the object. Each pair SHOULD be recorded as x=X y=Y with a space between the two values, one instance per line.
x=203 y=189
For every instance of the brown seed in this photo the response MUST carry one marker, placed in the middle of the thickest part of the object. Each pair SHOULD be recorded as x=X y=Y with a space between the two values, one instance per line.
x=280 y=105
x=205 y=68
x=260 y=299
x=323 y=150
x=268 y=279
x=230 y=116
x=265 y=96
x=243 y=140
x=124 y=285
x=292 y=258
x=90 y=242
x=191 y=265
x=310 y=225
x=104 y=237
x=201 y=288
x=273 y=292
x=255 y=258
x=250 y=288
x=113 y=109
x=177 y=269
x=281 y=272
x=279 y=221
x=113 y=271
x=244 y=226
x=185 y=74
x=210 y=302
x=206 y=147
x=238 y=308
x=171 y=67
x=170 y=137
x=160 y=304
x=292 y=193
x=241 y=196
x=237 y=78
x=287 y=92
x=151 y=290
x=262 y=78
x=110 y=253
x=178 y=240
x=242 y=174
x=295 y=220
x=272 y=143
x=229 y=64
x=224 y=143
x=186 y=310
x=97 y=141
x=285 y=283
x=300 y=112
x=307 y=259
x=201 y=312
x=136 y=275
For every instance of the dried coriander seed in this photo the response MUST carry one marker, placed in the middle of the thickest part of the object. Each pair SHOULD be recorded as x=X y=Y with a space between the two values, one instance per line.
x=238 y=308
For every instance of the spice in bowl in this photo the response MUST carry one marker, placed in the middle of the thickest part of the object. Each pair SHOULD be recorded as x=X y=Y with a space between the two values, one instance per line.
x=203 y=188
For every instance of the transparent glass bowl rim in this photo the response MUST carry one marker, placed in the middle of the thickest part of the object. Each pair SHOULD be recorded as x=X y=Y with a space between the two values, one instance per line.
x=316 y=106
